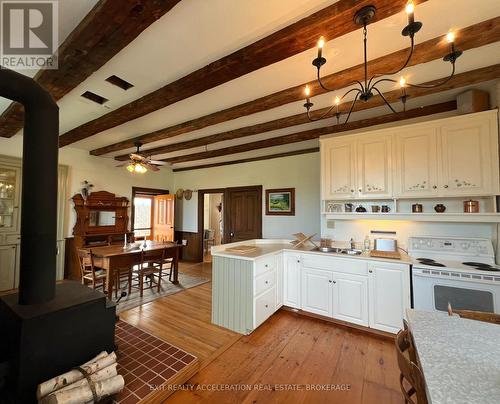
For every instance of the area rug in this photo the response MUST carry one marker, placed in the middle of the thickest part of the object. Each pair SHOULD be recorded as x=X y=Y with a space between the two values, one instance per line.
x=167 y=288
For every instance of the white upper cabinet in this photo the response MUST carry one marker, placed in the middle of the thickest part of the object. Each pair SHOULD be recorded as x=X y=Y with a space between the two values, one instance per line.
x=338 y=170
x=416 y=163
x=468 y=153
x=450 y=157
x=374 y=166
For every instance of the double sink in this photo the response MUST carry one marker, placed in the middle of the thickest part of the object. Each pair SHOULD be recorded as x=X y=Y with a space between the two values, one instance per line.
x=347 y=251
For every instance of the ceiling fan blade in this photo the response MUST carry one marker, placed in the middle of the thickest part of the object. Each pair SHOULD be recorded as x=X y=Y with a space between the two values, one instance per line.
x=123 y=164
x=157 y=162
x=151 y=167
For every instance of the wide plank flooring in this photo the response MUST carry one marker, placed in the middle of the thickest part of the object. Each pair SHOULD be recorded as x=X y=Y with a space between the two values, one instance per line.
x=282 y=357
x=184 y=319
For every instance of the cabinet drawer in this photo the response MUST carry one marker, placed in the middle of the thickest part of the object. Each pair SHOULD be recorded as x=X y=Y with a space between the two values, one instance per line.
x=265 y=264
x=265 y=306
x=265 y=281
x=12 y=239
x=337 y=264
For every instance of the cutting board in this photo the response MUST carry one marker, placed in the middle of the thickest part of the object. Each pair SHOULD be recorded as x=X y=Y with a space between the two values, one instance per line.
x=242 y=249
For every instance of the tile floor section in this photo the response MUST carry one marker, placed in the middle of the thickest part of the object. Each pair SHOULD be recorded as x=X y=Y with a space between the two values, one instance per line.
x=145 y=361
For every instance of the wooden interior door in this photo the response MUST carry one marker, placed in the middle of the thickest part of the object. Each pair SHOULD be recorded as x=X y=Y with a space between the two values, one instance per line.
x=243 y=214
x=163 y=224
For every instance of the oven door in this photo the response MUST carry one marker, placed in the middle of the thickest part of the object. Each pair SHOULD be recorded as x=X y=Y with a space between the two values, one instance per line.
x=433 y=293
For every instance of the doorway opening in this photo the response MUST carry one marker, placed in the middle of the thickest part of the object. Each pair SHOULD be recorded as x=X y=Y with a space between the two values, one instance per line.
x=239 y=219
x=152 y=214
x=213 y=222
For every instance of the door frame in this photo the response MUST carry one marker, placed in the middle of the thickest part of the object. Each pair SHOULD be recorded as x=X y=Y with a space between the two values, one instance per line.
x=147 y=192
x=201 y=216
x=225 y=212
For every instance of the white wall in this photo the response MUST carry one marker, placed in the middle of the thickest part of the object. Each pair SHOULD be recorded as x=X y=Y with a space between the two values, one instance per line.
x=299 y=172
x=98 y=171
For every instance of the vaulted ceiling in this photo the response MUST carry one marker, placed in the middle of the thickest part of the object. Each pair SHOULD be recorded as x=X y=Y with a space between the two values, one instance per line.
x=220 y=81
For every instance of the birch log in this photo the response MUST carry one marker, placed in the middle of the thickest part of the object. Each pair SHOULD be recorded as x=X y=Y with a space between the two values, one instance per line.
x=101 y=361
x=102 y=374
x=83 y=394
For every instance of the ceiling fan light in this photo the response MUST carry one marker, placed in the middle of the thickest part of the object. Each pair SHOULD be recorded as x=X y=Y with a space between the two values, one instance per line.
x=139 y=168
x=131 y=167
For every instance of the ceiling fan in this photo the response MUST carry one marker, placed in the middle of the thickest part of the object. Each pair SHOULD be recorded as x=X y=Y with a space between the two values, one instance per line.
x=139 y=163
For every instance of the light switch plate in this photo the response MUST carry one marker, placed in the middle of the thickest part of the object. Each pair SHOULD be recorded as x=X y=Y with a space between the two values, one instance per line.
x=330 y=224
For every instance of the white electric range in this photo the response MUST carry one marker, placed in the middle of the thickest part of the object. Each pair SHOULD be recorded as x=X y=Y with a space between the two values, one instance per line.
x=455 y=270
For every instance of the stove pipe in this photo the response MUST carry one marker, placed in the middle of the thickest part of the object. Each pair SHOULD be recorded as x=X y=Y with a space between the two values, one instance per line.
x=39 y=186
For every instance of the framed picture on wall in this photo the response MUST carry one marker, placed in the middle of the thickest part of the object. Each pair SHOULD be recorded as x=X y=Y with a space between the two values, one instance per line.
x=280 y=202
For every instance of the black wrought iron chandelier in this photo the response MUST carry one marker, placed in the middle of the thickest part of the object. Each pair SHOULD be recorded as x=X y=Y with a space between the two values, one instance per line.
x=365 y=90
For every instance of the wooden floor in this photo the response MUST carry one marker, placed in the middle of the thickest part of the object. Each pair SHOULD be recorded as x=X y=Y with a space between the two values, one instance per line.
x=184 y=319
x=288 y=350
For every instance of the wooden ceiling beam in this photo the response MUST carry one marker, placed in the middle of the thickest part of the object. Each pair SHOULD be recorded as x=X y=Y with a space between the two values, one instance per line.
x=315 y=133
x=331 y=22
x=108 y=28
x=471 y=37
x=260 y=158
x=460 y=80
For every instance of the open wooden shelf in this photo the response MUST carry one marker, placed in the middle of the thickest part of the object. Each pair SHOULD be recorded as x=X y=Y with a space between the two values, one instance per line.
x=421 y=217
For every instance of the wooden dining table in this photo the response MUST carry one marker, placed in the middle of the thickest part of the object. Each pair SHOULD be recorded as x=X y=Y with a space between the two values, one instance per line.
x=116 y=257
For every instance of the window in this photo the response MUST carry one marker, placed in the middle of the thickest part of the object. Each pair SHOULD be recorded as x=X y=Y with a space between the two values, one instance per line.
x=143 y=216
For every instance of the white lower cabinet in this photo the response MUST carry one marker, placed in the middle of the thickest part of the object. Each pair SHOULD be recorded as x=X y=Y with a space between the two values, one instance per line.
x=389 y=291
x=350 y=298
x=376 y=298
x=317 y=291
x=292 y=267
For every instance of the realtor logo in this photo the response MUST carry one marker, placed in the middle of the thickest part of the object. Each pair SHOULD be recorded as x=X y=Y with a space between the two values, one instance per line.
x=29 y=35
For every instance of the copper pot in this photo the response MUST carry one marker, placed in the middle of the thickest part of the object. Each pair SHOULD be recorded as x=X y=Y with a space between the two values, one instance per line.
x=471 y=206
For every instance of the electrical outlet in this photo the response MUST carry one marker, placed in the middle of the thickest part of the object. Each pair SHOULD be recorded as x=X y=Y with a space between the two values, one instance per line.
x=330 y=224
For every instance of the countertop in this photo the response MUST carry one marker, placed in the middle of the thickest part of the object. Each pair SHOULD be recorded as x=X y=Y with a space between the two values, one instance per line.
x=267 y=247
x=460 y=358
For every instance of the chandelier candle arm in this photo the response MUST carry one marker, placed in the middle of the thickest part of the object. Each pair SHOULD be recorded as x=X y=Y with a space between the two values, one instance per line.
x=366 y=87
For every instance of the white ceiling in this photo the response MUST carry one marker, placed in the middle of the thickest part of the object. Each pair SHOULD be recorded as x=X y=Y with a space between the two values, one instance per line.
x=195 y=33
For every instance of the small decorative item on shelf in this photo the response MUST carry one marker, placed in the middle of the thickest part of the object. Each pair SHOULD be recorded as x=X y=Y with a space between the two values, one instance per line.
x=471 y=206
x=385 y=209
x=417 y=208
x=439 y=208
x=361 y=209
x=329 y=207
x=375 y=208
x=348 y=207
x=86 y=189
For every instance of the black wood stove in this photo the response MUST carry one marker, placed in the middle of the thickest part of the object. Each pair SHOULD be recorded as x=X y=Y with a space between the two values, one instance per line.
x=47 y=329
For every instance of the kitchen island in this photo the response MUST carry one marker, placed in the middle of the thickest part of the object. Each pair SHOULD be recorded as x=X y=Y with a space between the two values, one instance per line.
x=247 y=288
x=459 y=357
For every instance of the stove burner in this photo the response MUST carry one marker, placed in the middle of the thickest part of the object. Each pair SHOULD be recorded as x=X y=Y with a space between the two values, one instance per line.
x=432 y=264
x=477 y=264
x=482 y=266
x=425 y=260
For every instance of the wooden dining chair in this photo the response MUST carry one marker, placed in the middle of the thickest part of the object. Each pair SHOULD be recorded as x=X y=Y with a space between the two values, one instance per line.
x=411 y=374
x=151 y=266
x=120 y=275
x=475 y=315
x=89 y=273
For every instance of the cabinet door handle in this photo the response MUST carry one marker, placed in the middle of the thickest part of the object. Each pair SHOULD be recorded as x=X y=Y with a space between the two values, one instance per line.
x=370 y=271
x=434 y=186
x=266 y=282
x=330 y=281
x=267 y=306
x=298 y=261
x=352 y=190
x=359 y=189
x=446 y=186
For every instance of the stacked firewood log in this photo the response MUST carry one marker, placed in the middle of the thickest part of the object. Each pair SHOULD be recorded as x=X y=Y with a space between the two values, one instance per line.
x=89 y=383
